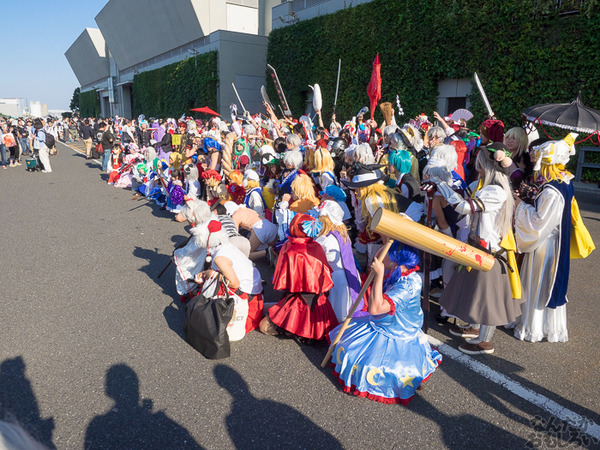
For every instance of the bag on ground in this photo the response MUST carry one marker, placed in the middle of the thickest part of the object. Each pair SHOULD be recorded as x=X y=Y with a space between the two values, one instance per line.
x=205 y=324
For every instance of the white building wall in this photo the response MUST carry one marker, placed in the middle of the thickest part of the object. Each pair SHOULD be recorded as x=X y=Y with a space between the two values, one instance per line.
x=38 y=109
x=292 y=11
x=13 y=106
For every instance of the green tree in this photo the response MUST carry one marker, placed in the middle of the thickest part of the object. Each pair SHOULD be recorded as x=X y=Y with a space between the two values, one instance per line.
x=74 y=106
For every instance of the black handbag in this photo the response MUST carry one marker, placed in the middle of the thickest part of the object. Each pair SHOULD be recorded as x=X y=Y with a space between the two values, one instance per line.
x=205 y=324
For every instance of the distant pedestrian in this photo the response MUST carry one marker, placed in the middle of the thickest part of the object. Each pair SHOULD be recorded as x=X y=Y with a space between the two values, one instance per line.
x=106 y=140
x=86 y=135
x=39 y=144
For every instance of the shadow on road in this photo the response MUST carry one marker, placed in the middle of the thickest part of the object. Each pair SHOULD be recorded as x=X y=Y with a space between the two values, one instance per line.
x=18 y=402
x=257 y=423
x=172 y=313
x=130 y=423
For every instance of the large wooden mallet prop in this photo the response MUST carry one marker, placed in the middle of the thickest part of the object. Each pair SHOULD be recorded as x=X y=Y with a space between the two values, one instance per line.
x=401 y=228
x=361 y=294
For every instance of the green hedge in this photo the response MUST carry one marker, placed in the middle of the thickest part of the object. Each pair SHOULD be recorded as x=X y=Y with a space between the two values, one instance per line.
x=89 y=104
x=524 y=52
x=172 y=90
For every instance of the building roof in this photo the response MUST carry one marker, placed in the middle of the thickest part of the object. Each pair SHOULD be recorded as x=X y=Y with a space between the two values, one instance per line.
x=88 y=57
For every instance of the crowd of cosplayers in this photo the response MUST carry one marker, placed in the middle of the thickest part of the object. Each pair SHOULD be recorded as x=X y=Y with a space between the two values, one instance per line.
x=303 y=196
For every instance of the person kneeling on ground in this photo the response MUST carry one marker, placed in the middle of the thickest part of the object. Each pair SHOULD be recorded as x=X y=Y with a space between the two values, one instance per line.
x=238 y=274
x=385 y=356
x=304 y=276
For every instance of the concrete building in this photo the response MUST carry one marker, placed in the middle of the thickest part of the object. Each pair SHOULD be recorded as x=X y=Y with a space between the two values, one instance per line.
x=134 y=36
x=38 y=109
x=107 y=58
x=13 y=106
x=291 y=11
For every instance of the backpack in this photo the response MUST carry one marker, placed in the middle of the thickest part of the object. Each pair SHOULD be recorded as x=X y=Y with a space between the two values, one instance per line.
x=50 y=141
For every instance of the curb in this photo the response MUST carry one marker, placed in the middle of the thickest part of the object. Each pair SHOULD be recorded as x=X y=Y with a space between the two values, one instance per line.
x=586 y=188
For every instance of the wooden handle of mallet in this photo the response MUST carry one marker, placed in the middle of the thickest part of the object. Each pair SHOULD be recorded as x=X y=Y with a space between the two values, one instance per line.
x=365 y=286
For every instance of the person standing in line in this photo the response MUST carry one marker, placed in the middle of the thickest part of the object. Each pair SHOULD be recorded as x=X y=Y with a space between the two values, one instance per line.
x=23 y=135
x=29 y=127
x=106 y=140
x=86 y=135
x=39 y=144
x=52 y=129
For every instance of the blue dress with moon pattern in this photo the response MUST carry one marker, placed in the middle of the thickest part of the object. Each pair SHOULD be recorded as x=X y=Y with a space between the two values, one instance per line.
x=386 y=357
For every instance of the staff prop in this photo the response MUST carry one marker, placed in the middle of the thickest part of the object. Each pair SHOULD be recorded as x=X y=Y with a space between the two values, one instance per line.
x=173 y=254
x=427 y=267
x=400 y=228
x=365 y=286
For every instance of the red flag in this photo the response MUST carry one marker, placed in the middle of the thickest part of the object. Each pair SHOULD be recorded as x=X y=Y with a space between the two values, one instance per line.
x=374 y=87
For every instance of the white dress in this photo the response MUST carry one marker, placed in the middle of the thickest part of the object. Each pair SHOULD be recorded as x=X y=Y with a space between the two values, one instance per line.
x=537 y=232
x=339 y=295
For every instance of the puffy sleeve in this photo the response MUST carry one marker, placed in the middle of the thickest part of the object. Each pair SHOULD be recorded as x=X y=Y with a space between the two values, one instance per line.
x=490 y=198
x=405 y=291
x=535 y=224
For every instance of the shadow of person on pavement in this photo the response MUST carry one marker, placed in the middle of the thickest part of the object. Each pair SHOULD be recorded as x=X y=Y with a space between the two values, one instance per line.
x=129 y=424
x=254 y=423
x=19 y=404
x=465 y=430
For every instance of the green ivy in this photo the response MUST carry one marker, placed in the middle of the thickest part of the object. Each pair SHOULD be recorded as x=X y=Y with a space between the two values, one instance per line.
x=173 y=90
x=89 y=104
x=524 y=51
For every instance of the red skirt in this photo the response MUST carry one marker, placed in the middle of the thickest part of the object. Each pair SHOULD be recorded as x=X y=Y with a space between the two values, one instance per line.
x=255 y=311
x=255 y=308
x=293 y=314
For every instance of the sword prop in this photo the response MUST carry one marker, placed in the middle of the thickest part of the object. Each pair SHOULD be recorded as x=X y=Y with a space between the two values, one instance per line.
x=337 y=85
x=483 y=96
x=238 y=97
x=279 y=89
x=265 y=97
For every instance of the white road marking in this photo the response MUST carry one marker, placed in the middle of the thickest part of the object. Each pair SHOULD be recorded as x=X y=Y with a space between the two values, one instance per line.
x=560 y=412
x=79 y=151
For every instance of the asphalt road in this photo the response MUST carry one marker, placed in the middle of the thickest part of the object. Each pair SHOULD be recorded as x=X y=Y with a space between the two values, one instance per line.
x=92 y=351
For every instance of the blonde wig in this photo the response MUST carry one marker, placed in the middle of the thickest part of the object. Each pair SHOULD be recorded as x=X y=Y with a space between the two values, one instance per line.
x=323 y=162
x=329 y=227
x=236 y=177
x=303 y=188
x=251 y=184
x=520 y=135
x=374 y=194
x=551 y=172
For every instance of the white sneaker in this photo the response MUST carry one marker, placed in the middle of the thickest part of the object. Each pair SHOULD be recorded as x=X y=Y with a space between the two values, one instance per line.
x=46 y=171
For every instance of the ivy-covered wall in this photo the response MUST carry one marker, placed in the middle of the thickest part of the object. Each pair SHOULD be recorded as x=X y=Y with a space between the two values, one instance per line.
x=524 y=52
x=173 y=90
x=89 y=104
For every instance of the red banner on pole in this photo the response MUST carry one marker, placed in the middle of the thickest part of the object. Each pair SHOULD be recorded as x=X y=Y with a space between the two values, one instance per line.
x=374 y=87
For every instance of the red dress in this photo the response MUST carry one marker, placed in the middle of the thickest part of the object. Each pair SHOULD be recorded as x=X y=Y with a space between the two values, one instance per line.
x=304 y=275
x=114 y=174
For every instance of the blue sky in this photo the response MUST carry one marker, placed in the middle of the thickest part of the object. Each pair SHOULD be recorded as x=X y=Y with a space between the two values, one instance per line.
x=35 y=36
